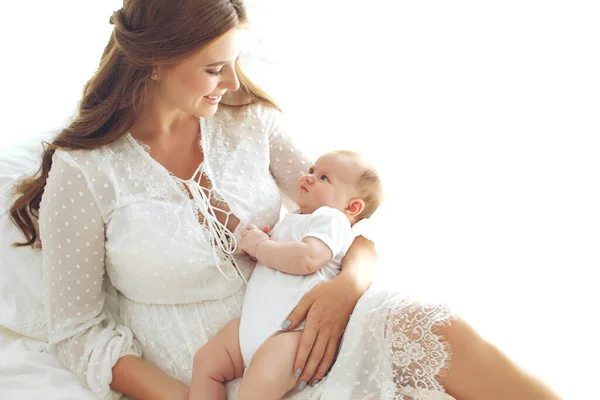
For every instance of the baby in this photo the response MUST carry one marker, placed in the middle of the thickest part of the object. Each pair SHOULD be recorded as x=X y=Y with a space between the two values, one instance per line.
x=305 y=249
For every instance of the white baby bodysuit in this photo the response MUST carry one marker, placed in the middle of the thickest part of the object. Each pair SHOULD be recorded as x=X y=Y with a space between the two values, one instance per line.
x=272 y=295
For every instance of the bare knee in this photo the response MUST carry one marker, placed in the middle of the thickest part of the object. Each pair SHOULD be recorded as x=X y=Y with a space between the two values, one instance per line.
x=213 y=361
x=456 y=332
x=461 y=338
x=201 y=366
x=265 y=380
x=198 y=357
x=265 y=373
x=479 y=370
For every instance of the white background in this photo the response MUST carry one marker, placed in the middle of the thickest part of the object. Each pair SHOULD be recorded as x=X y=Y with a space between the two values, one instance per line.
x=483 y=118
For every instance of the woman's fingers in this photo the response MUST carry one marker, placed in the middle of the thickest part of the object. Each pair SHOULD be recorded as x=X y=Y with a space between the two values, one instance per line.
x=299 y=313
x=326 y=319
x=326 y=362
x=307 y=340
x=314 y=359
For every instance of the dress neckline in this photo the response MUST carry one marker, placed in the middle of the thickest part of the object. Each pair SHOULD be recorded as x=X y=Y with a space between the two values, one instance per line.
x=223 y=247
x=145 y=149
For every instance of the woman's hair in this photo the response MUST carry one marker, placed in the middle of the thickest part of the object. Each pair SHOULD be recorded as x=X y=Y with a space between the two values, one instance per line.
x=368 y=184
x=147 y=34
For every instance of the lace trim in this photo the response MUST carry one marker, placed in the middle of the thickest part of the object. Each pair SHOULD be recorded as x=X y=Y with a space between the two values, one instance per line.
x=148 y=150
x=216 y=196
x=144 y=146
x=414 y=358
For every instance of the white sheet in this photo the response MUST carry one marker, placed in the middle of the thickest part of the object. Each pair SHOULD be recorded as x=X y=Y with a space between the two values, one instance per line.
x=21 y=303
x=28 y=370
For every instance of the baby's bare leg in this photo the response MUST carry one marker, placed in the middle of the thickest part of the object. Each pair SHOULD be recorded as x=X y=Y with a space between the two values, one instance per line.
x=269 y=375
x=217 y=362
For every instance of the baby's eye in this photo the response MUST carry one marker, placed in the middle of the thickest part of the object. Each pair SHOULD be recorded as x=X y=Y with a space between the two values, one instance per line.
x=324 y=178
x=311 y=171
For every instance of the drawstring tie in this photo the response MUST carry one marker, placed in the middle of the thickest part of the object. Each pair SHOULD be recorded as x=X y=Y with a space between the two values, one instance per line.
x=222 y=247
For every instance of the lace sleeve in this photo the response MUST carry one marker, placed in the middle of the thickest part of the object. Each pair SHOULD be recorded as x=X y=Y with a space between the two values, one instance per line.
x=72 y=233
x=287 y=162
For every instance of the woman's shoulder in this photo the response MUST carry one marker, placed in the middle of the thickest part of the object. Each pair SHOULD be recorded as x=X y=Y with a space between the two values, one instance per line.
x=235 y=110
x=91 y=156
x=73 y=157
x=102 y=170
x=98 y=161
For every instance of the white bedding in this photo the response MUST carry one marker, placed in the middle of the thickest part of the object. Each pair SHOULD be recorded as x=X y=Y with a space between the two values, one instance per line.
x=29 y=371
x=28 y=368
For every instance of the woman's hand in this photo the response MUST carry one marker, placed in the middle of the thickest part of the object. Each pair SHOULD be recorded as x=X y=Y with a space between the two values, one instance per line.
x=327 y=309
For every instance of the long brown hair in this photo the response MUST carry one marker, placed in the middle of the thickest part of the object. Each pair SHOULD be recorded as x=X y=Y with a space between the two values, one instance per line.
x=147 y=34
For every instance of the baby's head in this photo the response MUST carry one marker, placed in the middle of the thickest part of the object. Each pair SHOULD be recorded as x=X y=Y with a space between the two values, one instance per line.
x=343 y=180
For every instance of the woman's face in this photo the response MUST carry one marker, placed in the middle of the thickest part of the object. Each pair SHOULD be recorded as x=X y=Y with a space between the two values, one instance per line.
x=195 y=86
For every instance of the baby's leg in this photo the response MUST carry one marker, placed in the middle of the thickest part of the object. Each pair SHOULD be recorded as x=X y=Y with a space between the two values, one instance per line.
x=217 y=362
x=269 y=375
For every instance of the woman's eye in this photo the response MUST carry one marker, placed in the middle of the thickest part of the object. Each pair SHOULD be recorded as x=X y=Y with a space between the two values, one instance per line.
x=324 y=178
x=215 y=73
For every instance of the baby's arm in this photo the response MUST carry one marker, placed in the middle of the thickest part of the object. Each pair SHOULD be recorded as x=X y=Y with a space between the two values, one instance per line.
x=297 y=258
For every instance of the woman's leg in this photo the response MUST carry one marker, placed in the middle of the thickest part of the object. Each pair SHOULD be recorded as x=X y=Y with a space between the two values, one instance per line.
x=479 y=371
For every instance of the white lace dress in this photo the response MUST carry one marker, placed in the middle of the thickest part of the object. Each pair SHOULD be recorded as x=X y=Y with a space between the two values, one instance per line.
x=137 y=261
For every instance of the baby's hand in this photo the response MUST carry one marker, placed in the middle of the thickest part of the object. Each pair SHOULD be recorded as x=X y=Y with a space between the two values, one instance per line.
x=251 y=238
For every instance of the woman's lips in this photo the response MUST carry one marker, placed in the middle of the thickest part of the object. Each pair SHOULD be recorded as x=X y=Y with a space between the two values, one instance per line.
x=213 y=99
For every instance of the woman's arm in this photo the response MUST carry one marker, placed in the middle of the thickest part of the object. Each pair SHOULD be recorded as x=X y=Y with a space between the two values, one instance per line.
x=142 y=380
x=88 y=340
x=327 y=309
x=358 y=267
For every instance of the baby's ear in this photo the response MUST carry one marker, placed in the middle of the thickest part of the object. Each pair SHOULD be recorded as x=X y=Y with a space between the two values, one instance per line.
x=355 y=207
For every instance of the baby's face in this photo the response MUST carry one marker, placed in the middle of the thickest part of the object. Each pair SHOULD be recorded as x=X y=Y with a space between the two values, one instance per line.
x=330 y=182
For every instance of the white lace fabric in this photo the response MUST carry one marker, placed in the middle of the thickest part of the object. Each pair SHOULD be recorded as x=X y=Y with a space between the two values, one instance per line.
x=391 y=351
x=136 y=261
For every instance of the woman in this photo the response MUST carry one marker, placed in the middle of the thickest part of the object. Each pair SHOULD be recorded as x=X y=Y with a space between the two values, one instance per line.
x=141 y=201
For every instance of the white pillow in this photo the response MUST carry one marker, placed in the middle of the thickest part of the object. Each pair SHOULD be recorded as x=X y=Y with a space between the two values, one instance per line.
x=21 y=291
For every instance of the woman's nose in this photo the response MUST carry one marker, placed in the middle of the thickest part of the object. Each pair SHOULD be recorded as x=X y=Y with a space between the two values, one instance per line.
x=231 y=81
